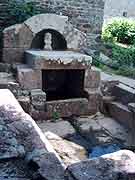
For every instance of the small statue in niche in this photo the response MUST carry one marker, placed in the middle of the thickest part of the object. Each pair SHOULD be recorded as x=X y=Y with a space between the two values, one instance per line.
x=48 y=41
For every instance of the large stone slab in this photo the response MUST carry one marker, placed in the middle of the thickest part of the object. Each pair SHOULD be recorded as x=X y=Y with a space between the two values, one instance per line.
x=61 y=128
x=119 y=165
x=69 y=152
x=57 y=59
x=21 y=137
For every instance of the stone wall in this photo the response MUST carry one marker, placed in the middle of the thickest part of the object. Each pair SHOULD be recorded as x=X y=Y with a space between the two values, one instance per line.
x=121 y=8
x=85 y=15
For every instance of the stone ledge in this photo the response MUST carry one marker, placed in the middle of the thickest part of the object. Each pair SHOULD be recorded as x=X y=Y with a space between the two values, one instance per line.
x=29 y=136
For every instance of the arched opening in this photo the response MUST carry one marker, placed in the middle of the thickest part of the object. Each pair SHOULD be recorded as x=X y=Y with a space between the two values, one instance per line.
x=58 y=41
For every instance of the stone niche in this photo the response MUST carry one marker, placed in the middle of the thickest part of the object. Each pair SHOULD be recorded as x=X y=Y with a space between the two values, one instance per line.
x=52 y=66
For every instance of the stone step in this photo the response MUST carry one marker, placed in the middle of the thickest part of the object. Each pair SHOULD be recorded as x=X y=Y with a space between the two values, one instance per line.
x=121 y=113
x=123 y=94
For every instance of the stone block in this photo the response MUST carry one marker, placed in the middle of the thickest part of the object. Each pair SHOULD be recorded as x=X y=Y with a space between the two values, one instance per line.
x=124 y=94
x=17 y=36
x=118 y=165
x=13 y=55
x=66 y=108
x=94 y=100
x=28 y=78
x=25 y=103
x=121 y=113
x=62 y=128
x=70 y=152
x=38 y=99
x=131 y=107
x=92 y=79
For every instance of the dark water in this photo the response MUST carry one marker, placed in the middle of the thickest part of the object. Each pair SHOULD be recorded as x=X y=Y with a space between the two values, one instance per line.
x=98 y=151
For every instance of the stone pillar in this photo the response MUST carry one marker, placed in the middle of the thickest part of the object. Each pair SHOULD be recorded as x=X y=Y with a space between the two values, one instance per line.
x=38 y=104
x=91 y=86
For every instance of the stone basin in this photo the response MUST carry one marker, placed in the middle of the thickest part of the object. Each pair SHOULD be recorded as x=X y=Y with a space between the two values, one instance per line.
x=41 y=59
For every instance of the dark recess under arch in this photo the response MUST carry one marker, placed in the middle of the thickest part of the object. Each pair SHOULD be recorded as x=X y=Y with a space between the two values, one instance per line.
x=58 y=41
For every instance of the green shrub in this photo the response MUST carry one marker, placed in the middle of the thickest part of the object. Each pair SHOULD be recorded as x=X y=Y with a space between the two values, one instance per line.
x=121 y=55
x=21 y=10
x=126 y=71
x=55 y=116
x=120 y=30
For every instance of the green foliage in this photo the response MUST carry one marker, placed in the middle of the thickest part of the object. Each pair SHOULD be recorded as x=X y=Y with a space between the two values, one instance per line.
x=19 y=11
x=55 y=115
x=122 y=60
x=123 y=56
x=97 y=62
x=119 y=30
x=126 y=71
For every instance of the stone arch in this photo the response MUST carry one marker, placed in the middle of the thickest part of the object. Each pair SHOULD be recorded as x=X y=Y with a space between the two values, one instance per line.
x=75 y=39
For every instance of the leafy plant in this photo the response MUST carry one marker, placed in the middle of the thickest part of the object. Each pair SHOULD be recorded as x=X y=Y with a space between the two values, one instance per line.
x=119 y=30
x=55 y=115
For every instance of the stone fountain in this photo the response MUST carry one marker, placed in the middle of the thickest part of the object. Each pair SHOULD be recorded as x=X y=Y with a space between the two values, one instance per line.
x=52 y=65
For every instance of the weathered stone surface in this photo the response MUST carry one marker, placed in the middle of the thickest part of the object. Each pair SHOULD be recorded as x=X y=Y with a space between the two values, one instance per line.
x=21 y=137
x=15 y=169
x=102 y=130
x=17 y=36
x=107 y=86
x=94 y=100
x=68 y=151
x=5 y=67
x=57 y=59
x=121 y=113
x=62 y=128
x=25 y=103
x=123 y=94
x=67 y=108
x=48 y=167
x=13 y=55
x=75 y=38
x=61 y=108
x=92 y=79
x=38 y=99
x=28 y=78
x=87 y=16
x=119 y=165
x=131 y=107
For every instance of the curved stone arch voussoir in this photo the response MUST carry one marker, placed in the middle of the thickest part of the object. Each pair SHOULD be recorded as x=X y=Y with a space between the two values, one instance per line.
x=47 y=21
x=75 y=39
